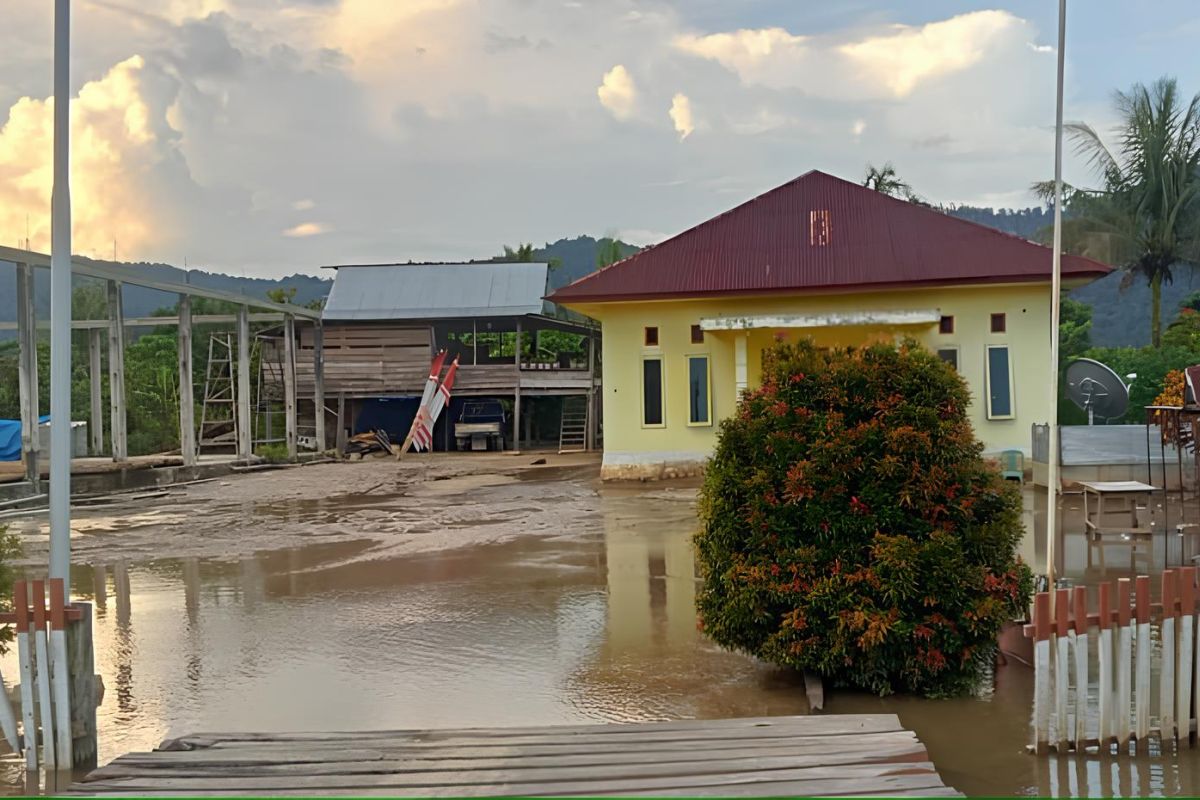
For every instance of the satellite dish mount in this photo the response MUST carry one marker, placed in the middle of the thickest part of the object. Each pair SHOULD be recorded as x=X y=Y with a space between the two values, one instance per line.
x=1096 y=389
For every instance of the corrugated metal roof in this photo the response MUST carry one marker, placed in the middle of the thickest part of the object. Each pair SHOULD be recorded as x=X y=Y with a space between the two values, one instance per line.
x=774 y=243
x=436 y=291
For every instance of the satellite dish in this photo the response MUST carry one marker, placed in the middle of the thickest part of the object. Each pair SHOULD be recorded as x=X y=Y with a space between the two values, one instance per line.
x=1096 y=389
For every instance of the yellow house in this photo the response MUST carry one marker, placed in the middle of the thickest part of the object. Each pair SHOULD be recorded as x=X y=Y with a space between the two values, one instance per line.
x=685 y=321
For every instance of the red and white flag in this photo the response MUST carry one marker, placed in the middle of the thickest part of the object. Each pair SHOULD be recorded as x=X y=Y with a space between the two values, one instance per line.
x=424 y=434
x=431 y=384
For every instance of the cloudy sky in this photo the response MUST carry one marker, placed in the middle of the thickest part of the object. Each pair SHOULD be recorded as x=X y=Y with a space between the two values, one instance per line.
x=265 y=137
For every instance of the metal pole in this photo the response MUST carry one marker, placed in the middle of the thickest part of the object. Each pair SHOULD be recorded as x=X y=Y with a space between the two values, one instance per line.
x=60 y=304
x=1055 y=289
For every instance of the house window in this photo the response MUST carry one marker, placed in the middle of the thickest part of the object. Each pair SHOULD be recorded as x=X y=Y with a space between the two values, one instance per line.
x=697 y=335
x=999 y=383
x=949 y=355
x=819 y=231
x=652 y=392
x=651 y=337
x=946 y=325
x=999 y=323
x=699 y=397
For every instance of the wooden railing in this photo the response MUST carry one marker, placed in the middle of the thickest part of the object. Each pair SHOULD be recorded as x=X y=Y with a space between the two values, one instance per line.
x=1073 y=713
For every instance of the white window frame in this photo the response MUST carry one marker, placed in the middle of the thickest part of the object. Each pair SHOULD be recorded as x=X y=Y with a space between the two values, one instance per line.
x=707 y=423
x=987 y=378
x=662 y=392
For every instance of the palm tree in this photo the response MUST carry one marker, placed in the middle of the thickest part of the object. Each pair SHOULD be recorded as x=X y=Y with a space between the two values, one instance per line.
x=1147 y=213
x=885 y=180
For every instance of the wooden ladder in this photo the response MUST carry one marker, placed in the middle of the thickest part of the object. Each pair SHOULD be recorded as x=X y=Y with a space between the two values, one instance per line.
x=218 y=423
x=572 y=432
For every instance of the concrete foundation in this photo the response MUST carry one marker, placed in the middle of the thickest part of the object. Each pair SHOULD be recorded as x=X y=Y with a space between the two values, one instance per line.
x=652 y=466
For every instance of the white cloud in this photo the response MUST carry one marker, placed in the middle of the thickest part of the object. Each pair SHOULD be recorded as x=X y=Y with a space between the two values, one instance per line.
x=859 y=126
x=305 y=229
x=755 y=55
x=907 y=55
x=617 y=92
x=303 y=205
x=681 y=115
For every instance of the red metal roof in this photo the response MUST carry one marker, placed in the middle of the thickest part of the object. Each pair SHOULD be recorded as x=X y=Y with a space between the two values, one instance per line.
x=773 y=243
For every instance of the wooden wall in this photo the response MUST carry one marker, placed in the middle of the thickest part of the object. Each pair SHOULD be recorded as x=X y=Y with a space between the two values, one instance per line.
x=367 y=360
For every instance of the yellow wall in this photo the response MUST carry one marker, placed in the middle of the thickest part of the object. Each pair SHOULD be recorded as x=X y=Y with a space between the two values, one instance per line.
x=628 y=442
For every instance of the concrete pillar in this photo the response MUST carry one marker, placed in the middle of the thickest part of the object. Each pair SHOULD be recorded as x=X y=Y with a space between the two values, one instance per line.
x=319 y=384
x=27 y=376
x=740 y=361
x=187 y=399
x=289 y=382
x=244 y=443
x=96 y=385
x=116 y=371
x=590 y=423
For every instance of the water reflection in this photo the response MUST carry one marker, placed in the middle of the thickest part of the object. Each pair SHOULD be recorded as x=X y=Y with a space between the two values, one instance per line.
x=539 y=630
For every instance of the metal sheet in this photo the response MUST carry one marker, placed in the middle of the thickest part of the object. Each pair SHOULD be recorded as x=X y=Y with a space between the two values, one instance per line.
x=436 y=291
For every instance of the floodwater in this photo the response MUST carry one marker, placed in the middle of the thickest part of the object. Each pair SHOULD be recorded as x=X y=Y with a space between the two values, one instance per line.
x=445 y=598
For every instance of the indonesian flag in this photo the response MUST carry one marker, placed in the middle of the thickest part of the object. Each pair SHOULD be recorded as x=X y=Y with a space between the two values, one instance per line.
x=435 y=371
x=423 y=437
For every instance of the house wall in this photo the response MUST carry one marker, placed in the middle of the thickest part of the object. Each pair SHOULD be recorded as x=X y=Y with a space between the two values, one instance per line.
x=634 y=451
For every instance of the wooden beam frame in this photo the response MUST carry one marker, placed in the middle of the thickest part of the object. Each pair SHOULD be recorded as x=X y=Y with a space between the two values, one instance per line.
x=96 y=387
x=319 y=386
x=116 y=371
x=289 y=384
x=187 y=398
x=152 y=322
x=27 y=372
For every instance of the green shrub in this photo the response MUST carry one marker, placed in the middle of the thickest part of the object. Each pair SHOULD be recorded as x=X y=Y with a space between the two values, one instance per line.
x=10 y=552
x=272 y=453
x=851 y=527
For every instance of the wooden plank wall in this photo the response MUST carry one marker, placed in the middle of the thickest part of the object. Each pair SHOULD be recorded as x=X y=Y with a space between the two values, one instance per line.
x=362 y=360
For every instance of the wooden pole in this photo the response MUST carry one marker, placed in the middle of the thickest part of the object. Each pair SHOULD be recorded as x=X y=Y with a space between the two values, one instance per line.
x=42 y=646
x=60 y=673
x=116 y=371
x=340 y=440
x=1041 y=674
x=1141 y=681
x=289 y=383
x=27 y=376
x=1062 y=669
x=243 y=384
x=1166 y=677
x=81 y=663
x=96 y=386
x=517 y=392
x=187 y=397
x=1106 y=732
x=25 y=657
x=319 y=385
x=1080 y=650
x=1124 y=663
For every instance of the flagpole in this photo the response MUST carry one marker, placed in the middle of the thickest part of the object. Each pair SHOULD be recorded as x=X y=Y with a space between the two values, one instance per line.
x=1052 y=478
x=60 y=304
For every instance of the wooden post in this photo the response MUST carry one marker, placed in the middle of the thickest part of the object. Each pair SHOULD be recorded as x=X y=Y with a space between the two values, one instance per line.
x=1041 y=673
x=60 y=674
x=116 y=371
x=84 y=689
x=1062 y=669
x=187 y=398
x=340 y=439
x=1187 y=642
x=1106 y=732
x=319 y=385
x=1080 y=648
x=516 y=444
x=1141 y=681
x=1166 y=678
x=25 y=656
x=243 y=384
x=42 y=647
x=289 y=383
x=96 y=385
x=27 y=376
x=1124 y=663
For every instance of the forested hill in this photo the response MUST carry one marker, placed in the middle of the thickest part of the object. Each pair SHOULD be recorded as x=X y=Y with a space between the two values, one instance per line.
x=1024 y=222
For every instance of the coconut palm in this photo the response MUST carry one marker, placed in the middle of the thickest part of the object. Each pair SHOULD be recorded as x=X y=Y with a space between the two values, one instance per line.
x=1146 y=216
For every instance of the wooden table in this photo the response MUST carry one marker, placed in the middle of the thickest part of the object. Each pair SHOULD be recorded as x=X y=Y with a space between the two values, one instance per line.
x=1104 y=498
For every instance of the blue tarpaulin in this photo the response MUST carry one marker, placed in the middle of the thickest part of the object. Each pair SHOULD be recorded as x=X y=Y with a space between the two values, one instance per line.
x=10 y=438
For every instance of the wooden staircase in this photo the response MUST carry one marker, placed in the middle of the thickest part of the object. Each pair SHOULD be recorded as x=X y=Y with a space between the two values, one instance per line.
x=572 y=432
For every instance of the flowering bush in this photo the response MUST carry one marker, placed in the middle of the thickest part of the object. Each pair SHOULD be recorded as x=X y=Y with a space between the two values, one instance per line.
x=851 y=527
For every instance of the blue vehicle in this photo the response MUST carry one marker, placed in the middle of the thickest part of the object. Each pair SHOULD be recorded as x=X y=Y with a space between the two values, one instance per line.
x=481 y=426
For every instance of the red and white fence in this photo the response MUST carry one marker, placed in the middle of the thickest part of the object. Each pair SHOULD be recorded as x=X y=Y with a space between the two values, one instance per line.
x=1103 y=678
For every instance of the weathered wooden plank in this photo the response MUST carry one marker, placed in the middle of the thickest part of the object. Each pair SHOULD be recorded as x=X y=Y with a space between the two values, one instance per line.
x=318 y=753
x=763 y=758
x=820 y=780
x=898 y=786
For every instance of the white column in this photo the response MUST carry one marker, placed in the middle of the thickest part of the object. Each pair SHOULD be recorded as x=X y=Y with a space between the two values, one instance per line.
x=116 y=371
x=96 y=385
x=740 y=361
x=60 y=304
x=187 y=399
x=243 y=384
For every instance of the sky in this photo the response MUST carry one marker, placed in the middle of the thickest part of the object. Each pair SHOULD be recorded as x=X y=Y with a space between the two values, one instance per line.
x=268 y=137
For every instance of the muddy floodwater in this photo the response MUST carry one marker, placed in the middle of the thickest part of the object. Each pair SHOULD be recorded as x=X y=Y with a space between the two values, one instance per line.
x=464 y=591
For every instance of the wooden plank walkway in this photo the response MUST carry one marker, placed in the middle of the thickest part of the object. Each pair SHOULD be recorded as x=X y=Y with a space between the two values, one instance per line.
x=861 y=755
